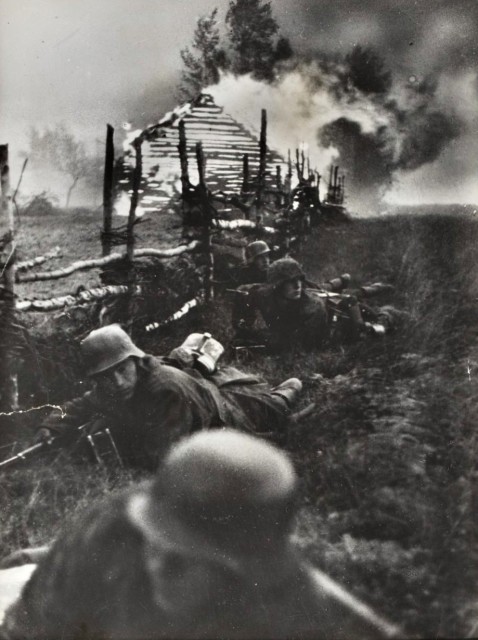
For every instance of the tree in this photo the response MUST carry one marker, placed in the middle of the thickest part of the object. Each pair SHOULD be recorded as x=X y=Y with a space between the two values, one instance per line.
x=252 y=35
x=59 y=148
x=203 y=63
x=367 y=71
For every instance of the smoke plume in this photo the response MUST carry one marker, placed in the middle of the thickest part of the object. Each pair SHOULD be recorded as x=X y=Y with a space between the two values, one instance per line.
x=348 y=110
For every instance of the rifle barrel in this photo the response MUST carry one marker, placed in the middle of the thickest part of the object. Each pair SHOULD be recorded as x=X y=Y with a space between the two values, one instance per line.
x=21 y=455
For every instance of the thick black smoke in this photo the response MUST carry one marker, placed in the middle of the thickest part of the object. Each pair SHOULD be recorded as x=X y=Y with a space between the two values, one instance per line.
x=367 y=158
x=427 y=135
x=428 y=36
x=416 y=133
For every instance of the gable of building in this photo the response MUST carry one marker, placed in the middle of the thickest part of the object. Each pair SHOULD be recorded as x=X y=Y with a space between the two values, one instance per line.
x=225 y=141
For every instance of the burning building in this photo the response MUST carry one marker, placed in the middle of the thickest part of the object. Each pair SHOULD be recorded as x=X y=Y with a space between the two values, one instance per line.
x=231 y=153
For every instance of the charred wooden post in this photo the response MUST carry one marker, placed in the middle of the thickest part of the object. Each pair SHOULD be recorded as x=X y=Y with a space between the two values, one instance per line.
x=108 y=191
x=330 y=188
x=262 y=163
x=136 y=184
x=245 y=173
x=288 y=177
x=201 y=166
x=130 y=239
x=297 y=165
x=183 y=159
x=8 y=376
x=207 y=224
x=263 y=147
x=279 y=185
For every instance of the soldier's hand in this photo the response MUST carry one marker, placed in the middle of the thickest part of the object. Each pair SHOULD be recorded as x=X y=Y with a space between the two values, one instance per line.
x=42 y=435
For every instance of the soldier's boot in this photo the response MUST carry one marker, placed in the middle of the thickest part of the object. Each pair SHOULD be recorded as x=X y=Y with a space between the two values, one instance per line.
x=289 y=390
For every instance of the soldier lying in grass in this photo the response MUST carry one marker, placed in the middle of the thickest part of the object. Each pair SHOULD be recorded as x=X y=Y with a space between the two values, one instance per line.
x=294 y=311
x=256 y=264
x=201 y=551
x=149 y=402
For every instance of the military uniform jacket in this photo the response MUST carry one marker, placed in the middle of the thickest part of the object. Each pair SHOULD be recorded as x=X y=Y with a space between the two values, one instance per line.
x=304 y=321
x=168 y=404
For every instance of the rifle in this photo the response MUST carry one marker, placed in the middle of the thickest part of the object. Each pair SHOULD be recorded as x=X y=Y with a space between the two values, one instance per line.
x=28 y=453
x=101 y=444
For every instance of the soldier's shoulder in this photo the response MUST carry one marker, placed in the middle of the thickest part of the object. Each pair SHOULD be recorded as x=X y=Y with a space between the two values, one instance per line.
x=161 y=376
x=314 y=298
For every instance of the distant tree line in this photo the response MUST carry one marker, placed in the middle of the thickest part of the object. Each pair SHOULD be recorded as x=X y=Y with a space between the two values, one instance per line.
x=252 y=45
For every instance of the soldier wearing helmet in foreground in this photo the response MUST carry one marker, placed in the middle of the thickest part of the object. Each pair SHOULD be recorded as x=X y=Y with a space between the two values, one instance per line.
x=149 y=402
x=293 y=311
x=201 y=551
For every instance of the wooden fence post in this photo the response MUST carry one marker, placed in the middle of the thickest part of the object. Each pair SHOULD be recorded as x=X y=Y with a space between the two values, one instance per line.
x=206 y=218
x=8 y=377
x=262 y=161
x=183 y=159
x=136 y=184
x=279 y=186
x=245 y=173
x=288 y=178
x=108 y=191
x=130 y=239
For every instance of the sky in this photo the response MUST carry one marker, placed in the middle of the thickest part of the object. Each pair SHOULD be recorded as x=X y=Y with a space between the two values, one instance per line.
x=88 y=62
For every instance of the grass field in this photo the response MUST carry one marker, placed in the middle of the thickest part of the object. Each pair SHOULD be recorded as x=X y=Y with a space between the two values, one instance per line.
x=388 y=462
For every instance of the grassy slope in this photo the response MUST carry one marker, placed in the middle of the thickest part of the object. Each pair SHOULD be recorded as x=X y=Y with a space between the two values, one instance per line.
x=387 y=463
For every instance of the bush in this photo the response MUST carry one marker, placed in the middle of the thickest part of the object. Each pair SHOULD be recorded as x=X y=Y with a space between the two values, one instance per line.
x=40 y=204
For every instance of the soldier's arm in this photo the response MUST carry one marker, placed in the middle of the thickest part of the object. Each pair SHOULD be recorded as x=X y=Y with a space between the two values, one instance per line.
x=245 y=306
x=69 y=416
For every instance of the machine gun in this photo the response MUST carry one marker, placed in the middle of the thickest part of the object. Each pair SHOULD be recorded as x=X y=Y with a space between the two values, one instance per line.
x=100 y=444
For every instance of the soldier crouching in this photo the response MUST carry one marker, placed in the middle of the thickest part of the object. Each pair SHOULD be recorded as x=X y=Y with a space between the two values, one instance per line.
x=202 y=551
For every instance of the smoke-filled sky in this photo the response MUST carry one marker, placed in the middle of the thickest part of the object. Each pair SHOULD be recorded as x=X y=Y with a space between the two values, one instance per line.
x=88 y=62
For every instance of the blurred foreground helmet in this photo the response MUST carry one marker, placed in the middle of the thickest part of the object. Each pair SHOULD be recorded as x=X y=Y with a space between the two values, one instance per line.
x=106 y=347
x=255 y=249
x=222 y=495
x=283 y=270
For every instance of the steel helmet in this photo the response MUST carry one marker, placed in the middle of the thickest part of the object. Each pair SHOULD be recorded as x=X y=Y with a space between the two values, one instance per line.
x=223 y=495
x=255 y=249
x=106 y=347
x=283 y=270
